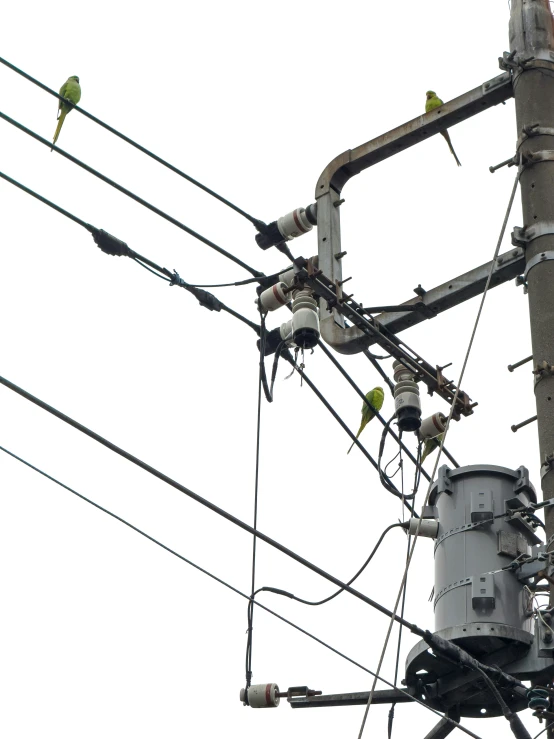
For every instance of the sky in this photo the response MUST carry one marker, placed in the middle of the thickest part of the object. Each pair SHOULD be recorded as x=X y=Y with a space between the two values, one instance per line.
x=104 y=633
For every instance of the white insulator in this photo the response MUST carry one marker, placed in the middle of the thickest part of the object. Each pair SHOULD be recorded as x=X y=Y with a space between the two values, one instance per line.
x=261 y=696
x=401 y=372
x=274 y=297
x=428 y=527
x=406 y=395
x=305 y=320
x=432 y=426
x=294 y=224
x=286 y=331
x=287 y=277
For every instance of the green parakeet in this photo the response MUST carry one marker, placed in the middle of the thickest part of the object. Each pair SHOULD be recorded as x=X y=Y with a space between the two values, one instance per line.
x=432 y=103
x=430 y=446
x=71 y=90
x=376 y=398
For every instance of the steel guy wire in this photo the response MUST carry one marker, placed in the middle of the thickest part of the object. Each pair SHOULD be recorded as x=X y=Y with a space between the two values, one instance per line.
x=132 y=195
x=257 y=223
x=233 y=589
x=139 y=259
x=447 y=426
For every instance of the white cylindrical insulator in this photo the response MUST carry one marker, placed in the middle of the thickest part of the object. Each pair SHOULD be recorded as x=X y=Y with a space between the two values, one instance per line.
x=401 y=372
x=428 y=527
x=286 y=331
x=305 y=320
x=287 y=277
x=432 y=426
x=294 y=224
x=274 y=297
x=406 y=395
x=262 y=696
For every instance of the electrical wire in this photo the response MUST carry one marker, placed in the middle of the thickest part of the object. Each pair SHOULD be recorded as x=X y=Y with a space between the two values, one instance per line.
x=393 y=489
x=447 y=426
x=250 y=612
x=130 y=141
x=548 y=726
x=373 y=359
x=232 y=588
x=133 y=196
x=279 y=591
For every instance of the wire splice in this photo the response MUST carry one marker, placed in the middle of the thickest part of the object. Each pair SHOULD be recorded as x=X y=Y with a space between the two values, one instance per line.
x=110 y=244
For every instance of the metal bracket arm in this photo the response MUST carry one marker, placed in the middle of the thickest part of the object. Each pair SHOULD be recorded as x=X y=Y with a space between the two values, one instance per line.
x=350 y=699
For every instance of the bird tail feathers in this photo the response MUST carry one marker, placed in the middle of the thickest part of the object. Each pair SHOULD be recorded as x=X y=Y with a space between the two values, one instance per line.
x=61 y=119
x=447 y=137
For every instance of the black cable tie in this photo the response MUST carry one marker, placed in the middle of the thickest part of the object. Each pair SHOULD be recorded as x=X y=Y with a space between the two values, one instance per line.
x=110 y=244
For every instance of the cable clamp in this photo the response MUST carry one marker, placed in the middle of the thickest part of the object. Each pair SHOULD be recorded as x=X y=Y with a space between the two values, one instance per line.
x=110 y=244
x=206 y=299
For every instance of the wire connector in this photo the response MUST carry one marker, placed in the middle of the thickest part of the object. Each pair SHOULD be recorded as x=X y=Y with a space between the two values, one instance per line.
x=110 y=244
x=206 y=299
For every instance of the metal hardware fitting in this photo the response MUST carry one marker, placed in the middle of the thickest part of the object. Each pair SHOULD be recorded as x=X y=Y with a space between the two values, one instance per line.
x=529 y=158
x=545 y=256
x=542 y=370
x=533 y=130
x=512 y=367
x=548 y=465
x=509 y=162
x=517 y=426
x=522 y=235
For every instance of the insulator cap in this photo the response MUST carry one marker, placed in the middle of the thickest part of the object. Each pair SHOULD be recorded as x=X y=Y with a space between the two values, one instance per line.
x=261 y=696
x=274 y=297
x=432 y=426
x=294 y=224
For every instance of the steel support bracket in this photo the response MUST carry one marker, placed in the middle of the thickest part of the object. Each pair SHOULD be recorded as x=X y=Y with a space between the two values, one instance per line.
x=530 y=158
x=523 y=235
x=534 y=130
x=545 y=256
x=444 y=484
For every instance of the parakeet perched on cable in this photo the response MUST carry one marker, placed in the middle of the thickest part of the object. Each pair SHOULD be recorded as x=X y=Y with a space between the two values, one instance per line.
x=430 y=446
x=375 y=397
x=71 y=90
x=432 y=103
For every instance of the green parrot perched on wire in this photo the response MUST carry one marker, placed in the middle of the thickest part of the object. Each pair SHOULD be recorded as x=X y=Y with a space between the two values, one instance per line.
x=432 y=103
x=71 y=91
x=430 y=445
x=375 y=397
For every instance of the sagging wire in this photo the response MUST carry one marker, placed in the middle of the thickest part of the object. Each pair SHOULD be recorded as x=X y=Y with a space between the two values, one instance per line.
x=233 y=589
x=268 y=388
x=257 y=223
x=287 y=594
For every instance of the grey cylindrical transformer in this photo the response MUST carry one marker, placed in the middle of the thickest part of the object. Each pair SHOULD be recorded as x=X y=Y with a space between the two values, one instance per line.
x=472 y=598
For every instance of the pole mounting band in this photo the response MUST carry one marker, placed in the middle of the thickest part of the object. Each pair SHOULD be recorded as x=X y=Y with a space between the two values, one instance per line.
x=545 y=256
x=522 y=235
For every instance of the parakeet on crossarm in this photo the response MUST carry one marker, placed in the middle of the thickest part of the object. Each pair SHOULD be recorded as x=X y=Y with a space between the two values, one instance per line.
x=430 y=445
x=432 y=103
x=70 y=90
x=375 y=398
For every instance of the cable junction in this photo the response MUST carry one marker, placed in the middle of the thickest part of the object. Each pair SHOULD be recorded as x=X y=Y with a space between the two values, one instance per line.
x=256 y=222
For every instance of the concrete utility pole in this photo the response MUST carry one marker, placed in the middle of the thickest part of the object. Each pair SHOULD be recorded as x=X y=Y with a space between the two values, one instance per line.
x=532 y=38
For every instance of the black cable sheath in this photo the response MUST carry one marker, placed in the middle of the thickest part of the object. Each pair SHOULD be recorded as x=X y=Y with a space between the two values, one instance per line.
x=122 y=136
x=132 y=195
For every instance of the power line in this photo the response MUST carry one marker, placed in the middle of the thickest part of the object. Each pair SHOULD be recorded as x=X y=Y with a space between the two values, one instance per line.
x=208 y=504
x=278 y=591
x=257 y=223
x=115 y=247
x=132 y=195
x=232 y=588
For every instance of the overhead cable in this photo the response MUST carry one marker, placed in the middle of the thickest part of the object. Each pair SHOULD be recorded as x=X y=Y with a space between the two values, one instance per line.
x=115 y=247
x=132 y=195
x=235 y=590
x=257 y=223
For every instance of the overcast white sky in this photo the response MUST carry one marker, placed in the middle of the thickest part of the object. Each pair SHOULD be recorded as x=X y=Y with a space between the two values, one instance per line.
x=103 y=633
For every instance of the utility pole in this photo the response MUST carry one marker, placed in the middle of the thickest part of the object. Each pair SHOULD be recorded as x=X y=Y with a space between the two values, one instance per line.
x=532 y=38
x=532 y=47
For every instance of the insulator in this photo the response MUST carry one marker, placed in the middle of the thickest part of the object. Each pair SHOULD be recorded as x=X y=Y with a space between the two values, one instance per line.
x=287 y=277
x=294 y=224
x=428 y=527
x=274 y=297
x=305 y=320
x=286 y=331
x=261 y=696
x=406 y=398
x=538 y=698
x=432 y=426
